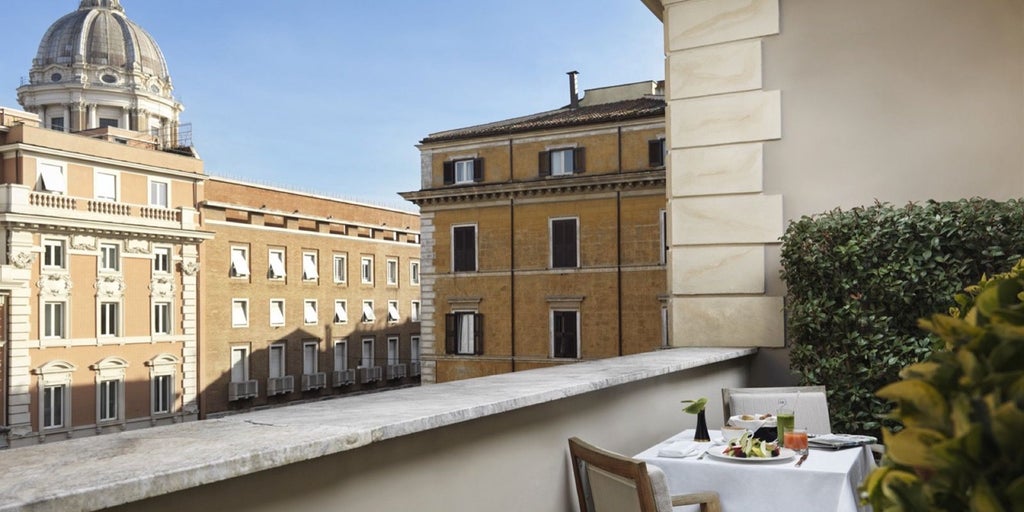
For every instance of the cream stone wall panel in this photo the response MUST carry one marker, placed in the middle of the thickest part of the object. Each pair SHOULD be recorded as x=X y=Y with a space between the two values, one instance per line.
x=728 y=321
x=726 y=119
x=736 y=219
x=704 y=22
x=714 y=170
x=718 y=269
x=718 y=69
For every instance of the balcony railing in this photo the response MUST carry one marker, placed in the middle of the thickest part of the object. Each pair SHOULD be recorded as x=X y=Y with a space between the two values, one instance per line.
x=414 y=369
x=396 y=371
x=311 y=381
x=21 y=199
x=344 y=378
x=372 y=374
x=243 y=389
x=280 y=385
x=503 y=439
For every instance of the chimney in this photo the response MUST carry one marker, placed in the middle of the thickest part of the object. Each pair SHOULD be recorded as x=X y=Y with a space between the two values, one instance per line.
x=574 y=93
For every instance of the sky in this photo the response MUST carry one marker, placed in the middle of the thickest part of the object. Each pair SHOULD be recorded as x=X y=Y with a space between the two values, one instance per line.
x=332 y=96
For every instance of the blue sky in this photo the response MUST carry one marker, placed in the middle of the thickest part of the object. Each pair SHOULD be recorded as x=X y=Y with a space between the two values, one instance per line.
x=331 y=96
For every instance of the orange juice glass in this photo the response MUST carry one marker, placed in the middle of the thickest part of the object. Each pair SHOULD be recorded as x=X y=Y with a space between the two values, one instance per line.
x=796 y=440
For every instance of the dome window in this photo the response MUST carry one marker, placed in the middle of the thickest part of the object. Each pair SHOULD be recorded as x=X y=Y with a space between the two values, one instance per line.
x=154 y=89
x=55 y=77
x=108 y=78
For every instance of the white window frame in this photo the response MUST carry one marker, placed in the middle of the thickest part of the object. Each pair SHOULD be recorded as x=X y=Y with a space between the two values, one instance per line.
x=109 y=259
x=239 y=262
x=414 y=348
x=393 y=315
x=340 y=268
x=341 y=354
x=154 y=200
x=368 y=317
x=340 y=311
x=366 y=269
x=239 y=312
x=367 y=357
x=394 y=353
x=310 y=267
x=310 y=312
x=162 y=320
x=464 y=171
x=239 y=363
x=277 y=351
x=310 y=366
x=55 y=254
x=99 y=181
x=108 y=323
x=276 y=264
x=54 y=321
x=55 y=419
x=161 y=260
x=414 y=272
x=162 y=367
x=52 y=375
x=52 y=178
x=414 y=311
x=110 y=377
x=277 y=312
x=392 y=271
x=564 y=167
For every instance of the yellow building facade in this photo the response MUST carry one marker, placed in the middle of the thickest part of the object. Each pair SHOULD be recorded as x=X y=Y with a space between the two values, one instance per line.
x=544 y=237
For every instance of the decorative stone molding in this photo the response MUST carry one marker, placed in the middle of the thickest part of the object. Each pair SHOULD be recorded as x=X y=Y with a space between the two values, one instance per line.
x=110 y=287
x=189 y=268
x=83 y=242
x=136 y=246
x=21 y=259
x=162 y=287
x=54 y=285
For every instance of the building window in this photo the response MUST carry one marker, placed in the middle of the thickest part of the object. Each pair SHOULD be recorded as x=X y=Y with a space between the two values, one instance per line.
x=368 y=316
x=393 y=355
x=309 y=358
x=340 y=311
x=393 y=311
x=341 y=355
x=239 y=262
x=276 y=311
x=414 y=349
x=53 y=253
x=158 y=194
x=656 y=152
x=52 y=179
x=163 y=393
x=367 y=356
x=110 y=318
x=239 y=313
x=470 y=170
x=564 y=243
x=110 y=376
x=239 y=364
x=464 y=248
x=414 y=273
x=392 y=271
x=464 y=333
x=110 y=258
x=564 y=334
x=309 y=312
x=366 y=269
x=162 y=318
x=161 y=260
x=57 y=123
x=106 y=122
x=562 y=162
x=54 y=406
x=109 y=398
x=414 y=311
x=310 y=271
x=53 y=319
x=275 y=257
x=277 y=368
x=105 y=186
x=340 y=268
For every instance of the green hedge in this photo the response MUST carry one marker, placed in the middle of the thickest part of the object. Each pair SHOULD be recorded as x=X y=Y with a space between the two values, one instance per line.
x=859 y=280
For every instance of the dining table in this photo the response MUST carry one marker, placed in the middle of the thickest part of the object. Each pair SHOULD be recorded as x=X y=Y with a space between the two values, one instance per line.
x=827 y=480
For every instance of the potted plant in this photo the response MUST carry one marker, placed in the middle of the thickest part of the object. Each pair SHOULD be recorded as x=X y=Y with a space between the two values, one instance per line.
x=697 y=407
x=961 y=410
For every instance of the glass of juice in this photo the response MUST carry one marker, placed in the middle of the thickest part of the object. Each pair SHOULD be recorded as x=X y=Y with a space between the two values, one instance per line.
x=796 y=440
x=784 y=423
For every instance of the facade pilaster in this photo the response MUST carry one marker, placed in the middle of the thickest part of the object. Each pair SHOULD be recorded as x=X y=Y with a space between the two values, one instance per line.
x=428 y=336
x=190 y=323
x=15 y=277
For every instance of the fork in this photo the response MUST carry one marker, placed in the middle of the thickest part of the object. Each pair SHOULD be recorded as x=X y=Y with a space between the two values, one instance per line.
x=801 y=460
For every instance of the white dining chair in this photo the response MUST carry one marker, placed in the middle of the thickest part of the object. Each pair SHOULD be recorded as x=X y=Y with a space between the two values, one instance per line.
x=809 y=404
x=609 y=482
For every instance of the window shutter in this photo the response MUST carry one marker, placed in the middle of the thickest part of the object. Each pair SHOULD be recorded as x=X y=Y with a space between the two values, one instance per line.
x=544 y=163
x=449 y=173
x=656 y=152
x=579 y=160
x=449 y=334
x=478 y=169
x=478 y=334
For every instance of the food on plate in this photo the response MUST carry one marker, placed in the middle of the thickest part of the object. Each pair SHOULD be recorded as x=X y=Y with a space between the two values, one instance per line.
x=748 y=446
x=751 y=417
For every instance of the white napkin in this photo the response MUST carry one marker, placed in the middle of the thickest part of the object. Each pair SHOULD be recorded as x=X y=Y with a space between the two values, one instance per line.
x=680 y=449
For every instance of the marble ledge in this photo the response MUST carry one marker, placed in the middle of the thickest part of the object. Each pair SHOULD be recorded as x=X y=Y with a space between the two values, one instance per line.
x=104 y=471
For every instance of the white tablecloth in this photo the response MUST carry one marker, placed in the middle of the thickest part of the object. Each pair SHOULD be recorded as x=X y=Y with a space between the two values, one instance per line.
x=827 y=480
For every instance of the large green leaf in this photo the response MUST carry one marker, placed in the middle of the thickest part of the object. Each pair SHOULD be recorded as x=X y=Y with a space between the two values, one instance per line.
x=916 y=448
x=920 y=404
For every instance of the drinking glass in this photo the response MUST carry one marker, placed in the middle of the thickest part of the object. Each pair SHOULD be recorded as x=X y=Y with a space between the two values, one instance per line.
x=785 y=421
x=796 y=439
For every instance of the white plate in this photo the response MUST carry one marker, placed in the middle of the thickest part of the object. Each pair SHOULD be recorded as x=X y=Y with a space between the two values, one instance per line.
x=718 y=452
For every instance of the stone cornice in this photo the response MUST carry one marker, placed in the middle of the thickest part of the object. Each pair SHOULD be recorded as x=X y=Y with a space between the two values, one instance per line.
x=579 y=184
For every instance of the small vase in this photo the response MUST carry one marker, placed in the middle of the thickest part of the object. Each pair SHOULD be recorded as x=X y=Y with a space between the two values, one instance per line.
x=702 y=429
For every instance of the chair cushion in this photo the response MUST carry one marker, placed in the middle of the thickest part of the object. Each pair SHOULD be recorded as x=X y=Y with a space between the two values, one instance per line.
x=659 y=484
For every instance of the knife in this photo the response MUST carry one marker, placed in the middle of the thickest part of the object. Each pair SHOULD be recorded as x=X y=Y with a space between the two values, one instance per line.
x=801 y=461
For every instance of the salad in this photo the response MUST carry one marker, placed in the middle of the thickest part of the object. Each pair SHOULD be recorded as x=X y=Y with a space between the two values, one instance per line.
x=749 y=446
